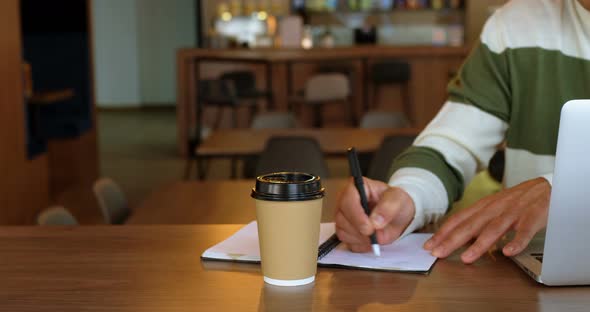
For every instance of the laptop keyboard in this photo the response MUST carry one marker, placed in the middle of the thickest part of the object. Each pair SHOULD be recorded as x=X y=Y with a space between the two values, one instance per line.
x=538 y=256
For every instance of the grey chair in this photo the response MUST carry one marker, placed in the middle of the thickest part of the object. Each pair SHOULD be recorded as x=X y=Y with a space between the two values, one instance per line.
x=274 y=120
x=323 y=89
x=389 y=149
x=56 y=215
x=233 y=90
x=220 y=94
x=112 y=201
x=300 y=154
x=384 y=119
x=271 y=120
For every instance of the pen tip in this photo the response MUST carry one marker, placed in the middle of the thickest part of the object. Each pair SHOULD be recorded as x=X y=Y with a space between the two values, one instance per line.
x=377 y=250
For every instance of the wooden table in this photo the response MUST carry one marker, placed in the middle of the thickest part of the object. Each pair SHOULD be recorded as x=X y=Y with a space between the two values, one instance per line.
x=332 y=141
x=157 y=268
x=430 y=65
x=238 y=143
x=211 y=202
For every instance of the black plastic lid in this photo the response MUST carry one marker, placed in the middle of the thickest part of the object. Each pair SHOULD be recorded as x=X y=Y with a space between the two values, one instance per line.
x=288 y=186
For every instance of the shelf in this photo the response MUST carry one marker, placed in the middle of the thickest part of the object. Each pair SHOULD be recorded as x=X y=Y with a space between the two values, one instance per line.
x=444 y=10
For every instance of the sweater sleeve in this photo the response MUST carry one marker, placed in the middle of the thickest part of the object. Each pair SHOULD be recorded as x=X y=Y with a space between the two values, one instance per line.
x=463 y=136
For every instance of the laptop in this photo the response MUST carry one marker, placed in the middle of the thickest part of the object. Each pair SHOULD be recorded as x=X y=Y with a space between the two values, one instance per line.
x=563 y=256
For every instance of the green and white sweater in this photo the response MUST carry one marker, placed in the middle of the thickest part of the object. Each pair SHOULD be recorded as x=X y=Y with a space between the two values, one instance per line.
x=534 y=55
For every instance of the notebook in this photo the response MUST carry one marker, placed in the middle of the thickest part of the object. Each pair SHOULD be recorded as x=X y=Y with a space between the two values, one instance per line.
x=404 y=255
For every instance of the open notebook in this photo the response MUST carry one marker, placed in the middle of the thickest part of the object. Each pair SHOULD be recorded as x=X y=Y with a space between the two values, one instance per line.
x=404 y=255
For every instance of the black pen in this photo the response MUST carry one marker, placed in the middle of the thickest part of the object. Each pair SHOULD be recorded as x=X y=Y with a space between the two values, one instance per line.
x=357 y=175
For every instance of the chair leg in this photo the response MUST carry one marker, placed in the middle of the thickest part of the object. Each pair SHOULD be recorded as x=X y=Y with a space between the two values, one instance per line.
x=351 y=114
x=407 y=105
x=253 y=111
x=201 y=168
x=317 y=116
x=234 y=117
x=269 y=102
x=234 y=168
x=218 y=118
x=188 y=168
x=376 y=98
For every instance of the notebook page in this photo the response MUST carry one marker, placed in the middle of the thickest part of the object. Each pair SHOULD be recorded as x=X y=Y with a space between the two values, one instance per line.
x=243 y=245
x=405 y=254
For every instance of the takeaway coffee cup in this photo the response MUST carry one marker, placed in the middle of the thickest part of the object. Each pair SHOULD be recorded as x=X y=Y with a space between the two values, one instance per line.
x=288 y=211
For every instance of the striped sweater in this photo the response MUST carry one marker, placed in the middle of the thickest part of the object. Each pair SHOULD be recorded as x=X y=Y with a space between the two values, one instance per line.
x=533 y=56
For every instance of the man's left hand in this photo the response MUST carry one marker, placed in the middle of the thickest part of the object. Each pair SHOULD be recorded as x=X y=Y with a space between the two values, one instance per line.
x=523 y=208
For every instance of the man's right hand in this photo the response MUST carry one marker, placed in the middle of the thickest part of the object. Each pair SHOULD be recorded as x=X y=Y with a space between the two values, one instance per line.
x=392 y=210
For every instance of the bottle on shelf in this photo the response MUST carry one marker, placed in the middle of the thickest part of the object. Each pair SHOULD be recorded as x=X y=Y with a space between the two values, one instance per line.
x=307 y=38
x=327 y=40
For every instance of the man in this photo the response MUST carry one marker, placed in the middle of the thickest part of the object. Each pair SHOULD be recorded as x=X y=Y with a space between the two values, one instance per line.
x=534 y=56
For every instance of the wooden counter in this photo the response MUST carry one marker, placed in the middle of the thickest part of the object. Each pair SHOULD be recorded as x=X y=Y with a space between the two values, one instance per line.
x=431 y=71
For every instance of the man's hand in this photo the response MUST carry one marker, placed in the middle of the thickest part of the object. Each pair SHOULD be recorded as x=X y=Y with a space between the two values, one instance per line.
x=523 y=208
x=392 y=211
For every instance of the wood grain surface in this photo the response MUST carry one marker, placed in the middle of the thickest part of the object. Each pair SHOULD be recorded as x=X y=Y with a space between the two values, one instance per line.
x=332 y=141
x=157 y=268
x=213 y=202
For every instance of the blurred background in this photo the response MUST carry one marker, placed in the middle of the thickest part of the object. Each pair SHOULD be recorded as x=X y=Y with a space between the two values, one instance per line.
x=129 y=89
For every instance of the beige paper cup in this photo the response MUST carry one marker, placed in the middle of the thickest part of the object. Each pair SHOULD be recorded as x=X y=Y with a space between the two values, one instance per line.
x=288 y=212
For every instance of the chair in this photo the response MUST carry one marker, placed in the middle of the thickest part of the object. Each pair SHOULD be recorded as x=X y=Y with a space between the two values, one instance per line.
x=274 y=120
x=326 y=88
x=56 y=215
x=389 y=149
x=193 y=143
x=244 y=82
x=383 y=119
x=392 y=72
x=221 y=94
x=301 y=154
x=112 y=201
x=338 y=68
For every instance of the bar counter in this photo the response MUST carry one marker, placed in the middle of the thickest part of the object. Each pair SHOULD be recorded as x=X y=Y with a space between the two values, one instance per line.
x=432 y=68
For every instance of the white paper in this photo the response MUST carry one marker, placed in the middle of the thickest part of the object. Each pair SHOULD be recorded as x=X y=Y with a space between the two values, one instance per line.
x=405 y=254
x=243 y=245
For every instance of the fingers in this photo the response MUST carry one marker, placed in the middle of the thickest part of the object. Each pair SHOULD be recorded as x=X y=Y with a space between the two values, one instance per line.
x=488 y=237
x=451 y=224
x=360 y=248
x=393 y=210
x=523 y=208
x=529 y=225
x=392 y=215
x=389 y=206
x=374 y=189
x=348 y=233
x=463 y=233
x=351 y=209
